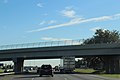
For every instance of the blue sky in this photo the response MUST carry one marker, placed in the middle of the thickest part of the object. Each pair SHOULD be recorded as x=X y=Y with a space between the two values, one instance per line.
x=27 y=21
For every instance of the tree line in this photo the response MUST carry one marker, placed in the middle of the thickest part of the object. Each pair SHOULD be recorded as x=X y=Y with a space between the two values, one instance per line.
x=100 y=36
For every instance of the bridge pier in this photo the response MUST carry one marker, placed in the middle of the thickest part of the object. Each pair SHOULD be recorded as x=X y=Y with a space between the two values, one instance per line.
x=117 y=63
x=112 y=64
x=18 y=65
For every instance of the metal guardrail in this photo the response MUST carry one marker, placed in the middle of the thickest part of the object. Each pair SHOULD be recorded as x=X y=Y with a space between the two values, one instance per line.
x=47 y=44
x=42 y=44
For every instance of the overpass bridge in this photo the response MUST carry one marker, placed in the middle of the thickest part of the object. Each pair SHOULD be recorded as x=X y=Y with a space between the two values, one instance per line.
x=43 y=50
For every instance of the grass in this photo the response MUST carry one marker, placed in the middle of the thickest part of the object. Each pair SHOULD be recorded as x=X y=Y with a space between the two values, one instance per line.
x=84 y=70
x=97 y=72
x=1 y=70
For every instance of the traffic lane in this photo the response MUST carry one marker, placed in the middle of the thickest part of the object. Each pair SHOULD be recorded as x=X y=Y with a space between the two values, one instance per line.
x=90 y=77
x=36 y=77
x=28 y=77
x=56 y=77
x=84 y=77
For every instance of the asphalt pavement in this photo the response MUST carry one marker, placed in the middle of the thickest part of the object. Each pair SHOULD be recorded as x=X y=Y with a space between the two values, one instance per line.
x=56 y=77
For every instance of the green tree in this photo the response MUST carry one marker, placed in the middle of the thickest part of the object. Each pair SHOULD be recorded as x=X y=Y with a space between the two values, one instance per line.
x=104 y=36
x=101 y=36
x=80 y=63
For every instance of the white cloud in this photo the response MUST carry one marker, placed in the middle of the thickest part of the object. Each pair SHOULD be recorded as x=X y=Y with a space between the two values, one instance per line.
x=47 y=22
x=95 y=28
x=52 y=22
x=103 y=18
x=40 y=5
x=68 y=12
x=79 y=21
x=63 y=41
x=41 y=23
x=116 y=16
x=54 y=39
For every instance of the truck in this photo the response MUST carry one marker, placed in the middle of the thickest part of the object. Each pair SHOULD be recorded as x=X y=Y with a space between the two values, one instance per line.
x=67 y=64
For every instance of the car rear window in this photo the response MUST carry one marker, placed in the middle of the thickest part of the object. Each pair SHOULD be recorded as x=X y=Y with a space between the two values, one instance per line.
x=46 y=67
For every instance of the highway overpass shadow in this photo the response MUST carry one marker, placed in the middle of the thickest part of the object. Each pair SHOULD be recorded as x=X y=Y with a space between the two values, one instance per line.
x=29 y=76
x=95 y=72
x=31 y=73
x=35 y=73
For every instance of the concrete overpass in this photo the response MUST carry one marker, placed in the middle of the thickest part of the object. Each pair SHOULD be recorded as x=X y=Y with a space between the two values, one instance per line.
x=18 y=53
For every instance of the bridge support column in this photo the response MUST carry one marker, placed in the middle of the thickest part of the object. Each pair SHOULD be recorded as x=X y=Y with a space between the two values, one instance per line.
x=18 y=65
x=107 y=66
x=112 y=64
x=117 y=65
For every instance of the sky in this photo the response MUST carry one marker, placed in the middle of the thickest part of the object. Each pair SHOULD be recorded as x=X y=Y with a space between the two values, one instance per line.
x=28 y=21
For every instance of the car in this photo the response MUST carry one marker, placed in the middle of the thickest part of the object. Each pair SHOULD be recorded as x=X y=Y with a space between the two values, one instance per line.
x=56 y=68
x=46 y=70
x=26 y=70
x=6 y=70
x=38 y=69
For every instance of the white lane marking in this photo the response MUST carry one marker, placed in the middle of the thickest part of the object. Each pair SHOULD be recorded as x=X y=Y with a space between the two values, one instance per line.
x=33 y=78
x=65 y=79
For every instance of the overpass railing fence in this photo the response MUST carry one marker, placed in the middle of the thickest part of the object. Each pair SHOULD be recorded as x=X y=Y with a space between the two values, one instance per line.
x=46 y=44
x=42 y=44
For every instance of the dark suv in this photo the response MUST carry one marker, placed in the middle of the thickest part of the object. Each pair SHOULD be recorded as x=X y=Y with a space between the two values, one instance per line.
x=46 y=70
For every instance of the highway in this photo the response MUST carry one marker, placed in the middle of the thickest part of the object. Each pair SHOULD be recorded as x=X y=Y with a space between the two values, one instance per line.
x=56 y=77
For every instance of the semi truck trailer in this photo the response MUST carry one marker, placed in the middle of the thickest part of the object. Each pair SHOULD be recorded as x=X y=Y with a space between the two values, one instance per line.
x=67 y=64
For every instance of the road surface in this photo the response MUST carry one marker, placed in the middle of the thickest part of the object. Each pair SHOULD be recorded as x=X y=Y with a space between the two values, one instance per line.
x=56 y=77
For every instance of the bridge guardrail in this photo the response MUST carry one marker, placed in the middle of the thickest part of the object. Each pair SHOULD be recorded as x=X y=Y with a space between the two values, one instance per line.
x=46 y=44
x=42 y=44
